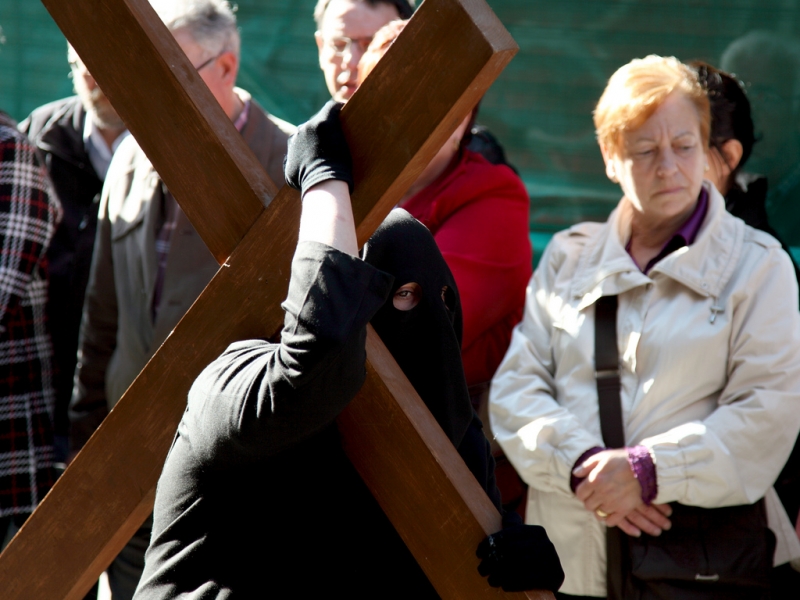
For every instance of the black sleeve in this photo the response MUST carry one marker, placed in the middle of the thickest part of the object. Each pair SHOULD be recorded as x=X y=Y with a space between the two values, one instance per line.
x=97 y=339
x=258 y=398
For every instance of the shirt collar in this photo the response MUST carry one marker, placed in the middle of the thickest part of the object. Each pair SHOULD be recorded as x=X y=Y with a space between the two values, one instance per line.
x=97 y=148
x=685 y=235
x=691 y=227
x=241 y=120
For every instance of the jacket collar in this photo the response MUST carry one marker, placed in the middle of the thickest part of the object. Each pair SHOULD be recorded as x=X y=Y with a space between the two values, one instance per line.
x=605 y=268
x=258 y=131
x=62 y=135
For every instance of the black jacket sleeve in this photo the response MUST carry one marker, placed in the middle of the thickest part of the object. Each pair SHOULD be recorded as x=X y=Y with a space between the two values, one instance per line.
x=258 y=398
x=476 y=453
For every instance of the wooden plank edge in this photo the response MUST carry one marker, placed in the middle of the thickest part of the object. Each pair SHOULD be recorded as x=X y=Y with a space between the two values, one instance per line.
x=487 y=21
x=408 y=423
x=94 y=469
x=89 y=577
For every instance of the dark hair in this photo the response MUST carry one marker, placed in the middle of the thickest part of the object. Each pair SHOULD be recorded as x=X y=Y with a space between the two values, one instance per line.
x=730 y=110
x=405 y=8
x=482 y=141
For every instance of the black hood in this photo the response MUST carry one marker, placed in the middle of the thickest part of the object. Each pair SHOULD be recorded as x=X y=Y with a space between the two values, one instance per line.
x=426 y=340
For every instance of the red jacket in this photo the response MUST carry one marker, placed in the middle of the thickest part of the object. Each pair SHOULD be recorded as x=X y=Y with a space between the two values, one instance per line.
x=478 y=214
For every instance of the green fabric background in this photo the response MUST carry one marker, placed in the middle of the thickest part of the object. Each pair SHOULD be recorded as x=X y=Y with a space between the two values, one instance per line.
x=540 y=107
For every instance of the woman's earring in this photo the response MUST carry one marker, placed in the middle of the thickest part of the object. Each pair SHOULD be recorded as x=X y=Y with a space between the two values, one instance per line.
x=707 y=167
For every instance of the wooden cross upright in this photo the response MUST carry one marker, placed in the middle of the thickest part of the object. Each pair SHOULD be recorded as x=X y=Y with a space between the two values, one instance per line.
x=426 y=84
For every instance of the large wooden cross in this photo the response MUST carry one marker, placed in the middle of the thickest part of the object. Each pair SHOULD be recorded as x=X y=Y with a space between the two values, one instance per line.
x=434 y=74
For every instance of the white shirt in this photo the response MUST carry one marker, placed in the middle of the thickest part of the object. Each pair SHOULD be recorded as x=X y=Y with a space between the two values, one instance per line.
x=97 y=148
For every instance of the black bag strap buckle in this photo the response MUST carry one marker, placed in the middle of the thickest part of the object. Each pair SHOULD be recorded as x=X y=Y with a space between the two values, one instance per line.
x=606 y=374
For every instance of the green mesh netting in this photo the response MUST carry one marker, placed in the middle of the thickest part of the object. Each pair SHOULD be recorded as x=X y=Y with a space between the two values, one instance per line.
x=540 y=108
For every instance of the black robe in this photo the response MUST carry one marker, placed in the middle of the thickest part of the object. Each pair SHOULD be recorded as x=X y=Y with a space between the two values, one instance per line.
x=256 y=496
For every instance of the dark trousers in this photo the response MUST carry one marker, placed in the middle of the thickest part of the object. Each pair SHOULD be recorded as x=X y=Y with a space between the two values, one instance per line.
x=9 y=526
x=126 y=570
x=785 y=583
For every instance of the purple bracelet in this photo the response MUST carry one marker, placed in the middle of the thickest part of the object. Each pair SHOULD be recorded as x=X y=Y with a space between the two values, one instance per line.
x=645 y=471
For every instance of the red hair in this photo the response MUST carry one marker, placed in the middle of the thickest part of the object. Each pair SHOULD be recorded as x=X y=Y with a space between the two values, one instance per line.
x=636 y=90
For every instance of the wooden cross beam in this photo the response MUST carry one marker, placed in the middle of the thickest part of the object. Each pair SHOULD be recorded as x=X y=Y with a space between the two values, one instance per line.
x=395 y=124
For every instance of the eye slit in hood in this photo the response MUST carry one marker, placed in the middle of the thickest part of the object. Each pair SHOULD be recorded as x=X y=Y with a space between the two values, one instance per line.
x=426 y=339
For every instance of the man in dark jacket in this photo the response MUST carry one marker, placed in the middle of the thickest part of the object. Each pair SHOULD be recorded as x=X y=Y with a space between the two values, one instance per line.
x=76 y=137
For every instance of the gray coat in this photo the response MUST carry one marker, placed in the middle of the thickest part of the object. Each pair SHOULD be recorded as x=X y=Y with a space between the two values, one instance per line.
x=118 y=333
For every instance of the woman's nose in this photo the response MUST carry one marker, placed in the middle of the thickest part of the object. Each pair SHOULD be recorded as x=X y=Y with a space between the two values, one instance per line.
x=667 y=164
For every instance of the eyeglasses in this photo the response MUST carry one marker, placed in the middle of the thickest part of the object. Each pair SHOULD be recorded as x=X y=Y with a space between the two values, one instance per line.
x=209 y=61
x=342 y=45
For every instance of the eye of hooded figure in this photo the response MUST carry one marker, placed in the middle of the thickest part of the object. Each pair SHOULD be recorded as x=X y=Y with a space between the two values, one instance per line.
x=407 y=296
x=449 y=298
x=425 y=338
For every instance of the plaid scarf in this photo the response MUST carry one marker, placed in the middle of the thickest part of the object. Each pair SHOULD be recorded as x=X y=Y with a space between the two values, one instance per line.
x=29 y=213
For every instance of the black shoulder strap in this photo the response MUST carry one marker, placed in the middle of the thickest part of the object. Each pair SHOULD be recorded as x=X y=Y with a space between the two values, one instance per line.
x=606 y=361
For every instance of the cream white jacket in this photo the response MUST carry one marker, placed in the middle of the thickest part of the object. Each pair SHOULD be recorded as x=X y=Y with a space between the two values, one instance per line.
x=709 y=345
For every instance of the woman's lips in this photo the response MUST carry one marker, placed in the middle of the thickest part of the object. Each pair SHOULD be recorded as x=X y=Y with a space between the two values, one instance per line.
x=671 y=190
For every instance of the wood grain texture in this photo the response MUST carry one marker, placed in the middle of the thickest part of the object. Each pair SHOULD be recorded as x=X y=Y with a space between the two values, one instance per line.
x=434 y=75
x=203 y=160
x=108 y=490
x=437 y=506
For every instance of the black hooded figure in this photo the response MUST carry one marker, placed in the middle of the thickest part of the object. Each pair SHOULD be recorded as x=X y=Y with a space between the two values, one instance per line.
x=426 y=339
x=257 y=498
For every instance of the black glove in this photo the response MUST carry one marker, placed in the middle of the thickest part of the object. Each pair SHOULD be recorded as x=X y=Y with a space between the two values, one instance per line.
x=519 y=558
x=318 y=151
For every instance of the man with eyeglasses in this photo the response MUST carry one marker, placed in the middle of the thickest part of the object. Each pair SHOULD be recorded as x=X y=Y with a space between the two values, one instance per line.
x=77 y=137
x=149 y=263
x=344 y=30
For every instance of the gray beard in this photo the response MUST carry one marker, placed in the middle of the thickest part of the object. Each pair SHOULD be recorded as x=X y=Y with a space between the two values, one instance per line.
x=98 y=107
x=105 y=118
